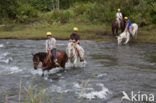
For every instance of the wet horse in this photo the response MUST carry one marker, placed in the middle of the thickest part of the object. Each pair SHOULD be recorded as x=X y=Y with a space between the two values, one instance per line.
x=115 y=26
x=126 y=34
x=73 y=53
x=48 y=64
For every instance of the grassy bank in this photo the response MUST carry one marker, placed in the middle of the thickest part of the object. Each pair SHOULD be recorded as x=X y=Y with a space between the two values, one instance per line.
x=101 y=32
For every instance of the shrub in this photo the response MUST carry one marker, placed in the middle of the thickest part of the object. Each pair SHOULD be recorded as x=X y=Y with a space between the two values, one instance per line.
x=26 y=13
x=61 y=16
x=100 y=13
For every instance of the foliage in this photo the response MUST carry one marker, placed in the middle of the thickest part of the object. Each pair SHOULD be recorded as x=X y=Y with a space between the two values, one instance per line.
x=91 y=11
x=59 y=16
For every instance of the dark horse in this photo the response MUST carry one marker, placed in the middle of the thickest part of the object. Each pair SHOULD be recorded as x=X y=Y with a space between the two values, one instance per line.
x=48 y=64
x=115 y=26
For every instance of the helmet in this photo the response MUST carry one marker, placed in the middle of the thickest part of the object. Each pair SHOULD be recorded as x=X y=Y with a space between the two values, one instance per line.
x=49 y=34
x=126 y=18
x=75 y=29
x=118 y=9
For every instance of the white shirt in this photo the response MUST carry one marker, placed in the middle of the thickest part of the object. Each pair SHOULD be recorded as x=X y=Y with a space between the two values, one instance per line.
x=119 y=15
x=49 y=43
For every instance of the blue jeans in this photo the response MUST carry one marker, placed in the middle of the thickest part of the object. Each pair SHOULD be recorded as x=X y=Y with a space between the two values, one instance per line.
x=53 y=51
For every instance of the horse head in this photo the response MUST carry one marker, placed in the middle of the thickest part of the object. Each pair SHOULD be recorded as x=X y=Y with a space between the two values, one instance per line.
x=36 y=60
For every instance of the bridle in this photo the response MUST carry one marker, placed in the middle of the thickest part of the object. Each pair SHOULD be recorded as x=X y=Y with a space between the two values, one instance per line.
x=35 y=62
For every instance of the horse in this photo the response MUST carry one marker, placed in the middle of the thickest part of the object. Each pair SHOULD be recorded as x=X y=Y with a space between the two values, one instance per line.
x=48 y=64
x=73 y=52
x=115 y=26
x=126 y=34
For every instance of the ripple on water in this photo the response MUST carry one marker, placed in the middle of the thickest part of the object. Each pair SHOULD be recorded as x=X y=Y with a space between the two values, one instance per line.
x=14 y=69
x=10 y=70
x=91 y=93
x=1 y=45
x=4 y=58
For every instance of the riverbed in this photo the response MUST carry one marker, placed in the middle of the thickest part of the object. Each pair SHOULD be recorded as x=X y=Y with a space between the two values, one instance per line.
x=109 y=69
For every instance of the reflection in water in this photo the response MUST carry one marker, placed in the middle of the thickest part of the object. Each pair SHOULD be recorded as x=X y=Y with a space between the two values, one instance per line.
x=109 y=70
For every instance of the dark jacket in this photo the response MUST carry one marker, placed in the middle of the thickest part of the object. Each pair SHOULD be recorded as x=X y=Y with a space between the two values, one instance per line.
x=74 y=36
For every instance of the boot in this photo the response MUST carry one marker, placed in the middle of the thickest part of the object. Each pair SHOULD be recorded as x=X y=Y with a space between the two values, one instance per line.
x=56 y=63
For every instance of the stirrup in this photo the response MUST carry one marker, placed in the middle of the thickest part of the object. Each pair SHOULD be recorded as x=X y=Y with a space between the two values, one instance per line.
x=56 y=63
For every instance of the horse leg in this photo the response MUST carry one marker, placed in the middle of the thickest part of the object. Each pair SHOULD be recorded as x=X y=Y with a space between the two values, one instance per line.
x=117 y=31
x=113 y=31
x=75 y=61
x=136 y=35
x=127 y=39
x=43 y=72
x=63 y=65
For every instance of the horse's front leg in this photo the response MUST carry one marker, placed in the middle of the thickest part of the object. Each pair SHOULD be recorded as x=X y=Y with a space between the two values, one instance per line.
x=43 y=72
x=75 y=60
x=127 y=39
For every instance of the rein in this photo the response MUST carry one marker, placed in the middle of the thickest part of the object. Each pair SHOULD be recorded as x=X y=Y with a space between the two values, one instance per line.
x=35 y=62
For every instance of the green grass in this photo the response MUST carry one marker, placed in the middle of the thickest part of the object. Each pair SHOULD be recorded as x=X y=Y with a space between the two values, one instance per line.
x=38 y=31
x=100 y=32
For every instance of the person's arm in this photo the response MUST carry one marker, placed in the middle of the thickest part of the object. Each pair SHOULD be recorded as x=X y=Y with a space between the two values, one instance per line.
x=126 y=28
x=121 y=16
x=78 y=38
x=53 y=44
x=46 y=47
x=116 y=15
x=70 y=39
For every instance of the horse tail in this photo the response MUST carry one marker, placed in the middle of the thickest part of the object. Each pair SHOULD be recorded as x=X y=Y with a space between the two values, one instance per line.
x=135 y=29
x=136 y=34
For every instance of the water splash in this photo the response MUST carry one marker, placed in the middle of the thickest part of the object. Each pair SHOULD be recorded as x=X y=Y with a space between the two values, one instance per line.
x=102 y=94
x=14 y=69
x=1 y=45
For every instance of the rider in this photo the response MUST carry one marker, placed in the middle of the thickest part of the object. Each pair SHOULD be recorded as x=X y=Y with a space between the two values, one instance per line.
x=51 y=47
x=128 y=26
x=75 y=38
x=119 y=17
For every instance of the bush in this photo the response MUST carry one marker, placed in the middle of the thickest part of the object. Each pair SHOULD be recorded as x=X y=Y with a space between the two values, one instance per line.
x=61 y=16
x=65 y=16
x=100 y=13
x=26 y=13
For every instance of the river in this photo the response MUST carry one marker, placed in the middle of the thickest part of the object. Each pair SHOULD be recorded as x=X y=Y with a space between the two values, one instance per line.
x=109 y=70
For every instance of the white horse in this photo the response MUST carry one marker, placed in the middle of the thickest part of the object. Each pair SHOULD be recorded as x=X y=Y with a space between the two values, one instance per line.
x=126 y=34
x=73 y=53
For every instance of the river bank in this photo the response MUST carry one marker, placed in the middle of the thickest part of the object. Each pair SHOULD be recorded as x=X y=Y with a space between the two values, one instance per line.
x=100 y=32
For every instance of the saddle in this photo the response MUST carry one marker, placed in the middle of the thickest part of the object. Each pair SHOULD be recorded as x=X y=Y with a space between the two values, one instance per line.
x=117 y=22
x=48 y=57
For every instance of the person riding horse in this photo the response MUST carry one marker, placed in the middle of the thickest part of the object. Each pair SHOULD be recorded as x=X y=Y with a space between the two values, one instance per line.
x=118 y=24
x=119 y=17
x=51 y=47
x=128 y=26
x=75 y=38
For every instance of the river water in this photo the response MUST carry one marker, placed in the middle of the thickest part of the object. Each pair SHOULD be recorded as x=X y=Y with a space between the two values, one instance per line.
x=109 y=70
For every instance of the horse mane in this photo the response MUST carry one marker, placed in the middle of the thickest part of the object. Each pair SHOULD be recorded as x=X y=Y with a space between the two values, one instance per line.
x=42 y=55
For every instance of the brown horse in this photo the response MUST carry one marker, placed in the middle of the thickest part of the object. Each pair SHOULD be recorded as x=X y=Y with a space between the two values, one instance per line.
x=115 y=27
x=48 y=64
